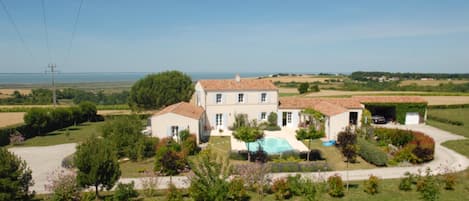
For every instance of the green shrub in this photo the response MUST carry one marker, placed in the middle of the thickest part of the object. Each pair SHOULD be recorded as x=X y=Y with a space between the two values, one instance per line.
x=189 y=145
x=371 y=185
x=124 y=192
x=67 y=162
x=406 y=182
x=424 y=146
x=396 y=137
x=335 y=186
x=281 y=189
x=296 y=184
x=371 y=153
x=236 y=190
x=406 y=155
x=428 y=187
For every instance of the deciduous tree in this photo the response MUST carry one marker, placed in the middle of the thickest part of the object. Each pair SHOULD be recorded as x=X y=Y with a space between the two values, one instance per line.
x=248 y=134
x=96 y=161
x=161 y=89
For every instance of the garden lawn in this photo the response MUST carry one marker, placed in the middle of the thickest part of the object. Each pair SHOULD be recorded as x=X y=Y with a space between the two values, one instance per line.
x=132 y=169
x=76 y=134
x=460 y=146
x=334 y=157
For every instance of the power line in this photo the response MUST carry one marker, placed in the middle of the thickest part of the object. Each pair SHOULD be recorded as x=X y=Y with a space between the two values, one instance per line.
x=16 y=29
x=69 y=50
x=45 y=29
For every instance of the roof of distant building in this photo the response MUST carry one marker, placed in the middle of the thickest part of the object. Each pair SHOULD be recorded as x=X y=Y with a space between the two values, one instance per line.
x=390 y=99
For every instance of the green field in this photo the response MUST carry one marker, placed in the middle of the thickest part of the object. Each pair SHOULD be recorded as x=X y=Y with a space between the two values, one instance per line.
x=76 y=134
x=457 y=114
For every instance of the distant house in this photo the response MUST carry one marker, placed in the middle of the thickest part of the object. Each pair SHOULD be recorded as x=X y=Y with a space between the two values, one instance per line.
x=216 y=103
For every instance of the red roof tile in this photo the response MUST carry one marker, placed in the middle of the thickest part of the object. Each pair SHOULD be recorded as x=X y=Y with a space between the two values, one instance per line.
x=184 y=109
x=232 y=85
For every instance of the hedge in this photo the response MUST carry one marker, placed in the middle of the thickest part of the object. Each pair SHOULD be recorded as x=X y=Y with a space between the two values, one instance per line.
x=43 y=120
x=446 y=121
x=402 y=109
x=448 y=106
x=371 y=153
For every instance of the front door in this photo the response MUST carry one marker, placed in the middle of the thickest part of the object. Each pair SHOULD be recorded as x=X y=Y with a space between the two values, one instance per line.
x=284 y=118
x=219 y=121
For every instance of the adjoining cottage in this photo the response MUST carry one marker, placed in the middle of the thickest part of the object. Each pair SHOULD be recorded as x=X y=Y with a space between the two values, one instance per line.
x=216 y=103
x=171 y=120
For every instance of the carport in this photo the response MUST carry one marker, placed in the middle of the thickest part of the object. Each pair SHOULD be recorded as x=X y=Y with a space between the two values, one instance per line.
x=402 y=109
x=387 y=111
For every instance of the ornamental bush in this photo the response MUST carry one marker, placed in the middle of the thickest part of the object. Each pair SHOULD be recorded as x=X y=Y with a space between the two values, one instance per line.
x=281 y=189
x=125 y=192
x=371 y=185
x=406 y=182
x=396 y=137
x=425 y=146
x=371 y=153
x=335 y=186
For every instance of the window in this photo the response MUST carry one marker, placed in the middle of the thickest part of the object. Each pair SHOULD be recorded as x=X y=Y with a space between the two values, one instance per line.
x=240 y=98
x=219 y=119
x=218 y=98
x=174 y=130
x=263 y=116
x=263 y=97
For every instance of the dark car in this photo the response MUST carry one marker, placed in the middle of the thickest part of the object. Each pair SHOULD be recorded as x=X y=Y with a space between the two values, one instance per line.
x=378 y=119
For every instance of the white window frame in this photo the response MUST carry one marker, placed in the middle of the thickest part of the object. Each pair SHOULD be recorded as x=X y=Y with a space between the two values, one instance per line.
x=219 y=119
x=241 y=98
x=218 y=98
x=263 y=97
x=289 y=118
x=263 y=115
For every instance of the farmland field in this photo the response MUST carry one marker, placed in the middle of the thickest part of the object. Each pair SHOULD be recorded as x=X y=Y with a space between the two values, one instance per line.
x=431 y=82
x=10 y=118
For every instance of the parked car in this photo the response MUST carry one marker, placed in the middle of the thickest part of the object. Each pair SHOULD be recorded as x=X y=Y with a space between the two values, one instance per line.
x=378 y=119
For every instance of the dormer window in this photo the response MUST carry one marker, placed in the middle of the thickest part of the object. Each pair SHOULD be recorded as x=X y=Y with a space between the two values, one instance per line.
x=240 y=98
x=263 y=97
x=218 y=98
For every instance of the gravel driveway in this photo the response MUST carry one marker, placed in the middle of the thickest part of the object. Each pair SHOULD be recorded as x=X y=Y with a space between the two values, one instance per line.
x=44 y=160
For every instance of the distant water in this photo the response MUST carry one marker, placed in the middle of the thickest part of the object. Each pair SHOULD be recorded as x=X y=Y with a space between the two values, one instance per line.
x=41 y=78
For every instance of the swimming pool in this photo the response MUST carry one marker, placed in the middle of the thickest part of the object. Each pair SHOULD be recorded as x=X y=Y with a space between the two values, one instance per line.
x=271 y=145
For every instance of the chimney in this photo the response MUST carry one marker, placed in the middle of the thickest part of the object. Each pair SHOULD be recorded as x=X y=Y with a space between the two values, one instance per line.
x=237 y=78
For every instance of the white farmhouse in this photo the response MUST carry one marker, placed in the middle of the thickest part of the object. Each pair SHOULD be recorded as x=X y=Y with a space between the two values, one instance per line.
x=216 y=103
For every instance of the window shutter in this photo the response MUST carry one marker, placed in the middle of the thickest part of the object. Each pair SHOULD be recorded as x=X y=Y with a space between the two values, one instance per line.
x=225 y=120
x=168 y=131
x=260 y=116
x=295 y=118
x=214 y=123
x=245 y=98
x=279 y=118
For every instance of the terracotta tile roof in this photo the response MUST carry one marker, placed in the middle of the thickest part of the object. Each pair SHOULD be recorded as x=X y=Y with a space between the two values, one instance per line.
x=232 y=85
x=348 y=103
x=184 y=109
x=320 y=105
x=390 y=99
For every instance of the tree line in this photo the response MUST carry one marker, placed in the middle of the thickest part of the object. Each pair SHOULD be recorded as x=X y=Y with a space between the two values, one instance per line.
x=364 y=76
x=44 y=96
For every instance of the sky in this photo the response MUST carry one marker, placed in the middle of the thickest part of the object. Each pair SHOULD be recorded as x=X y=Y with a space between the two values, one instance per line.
x=236 y=36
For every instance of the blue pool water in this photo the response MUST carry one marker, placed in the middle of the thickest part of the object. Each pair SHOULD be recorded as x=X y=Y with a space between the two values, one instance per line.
x=271 y=145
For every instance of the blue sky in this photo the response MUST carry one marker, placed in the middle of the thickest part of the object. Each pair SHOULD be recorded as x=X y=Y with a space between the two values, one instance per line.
x=238 y=36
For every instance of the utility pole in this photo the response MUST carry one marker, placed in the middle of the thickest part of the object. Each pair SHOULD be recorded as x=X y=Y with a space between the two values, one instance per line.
x=52 y=71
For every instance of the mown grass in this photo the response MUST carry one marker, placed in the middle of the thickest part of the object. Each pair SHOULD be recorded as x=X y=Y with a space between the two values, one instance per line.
x=133 y=169
x=334 y=157
x=75 y=134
